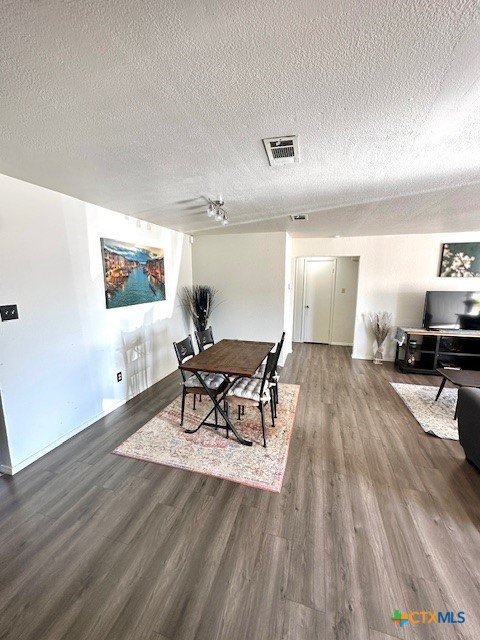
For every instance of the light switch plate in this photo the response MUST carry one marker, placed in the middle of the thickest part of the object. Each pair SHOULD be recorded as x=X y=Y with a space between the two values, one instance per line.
x=9 y=312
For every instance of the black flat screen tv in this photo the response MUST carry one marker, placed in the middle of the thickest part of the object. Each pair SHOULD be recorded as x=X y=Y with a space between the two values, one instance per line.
x=452 y=310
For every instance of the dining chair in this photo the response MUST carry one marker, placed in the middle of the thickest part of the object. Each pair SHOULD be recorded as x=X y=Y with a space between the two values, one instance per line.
x=204 y=338
x=215 y=382
x=254 y=392
x=274 y=377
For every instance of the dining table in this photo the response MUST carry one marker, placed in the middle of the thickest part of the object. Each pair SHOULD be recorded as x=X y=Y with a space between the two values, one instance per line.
x=234 y=359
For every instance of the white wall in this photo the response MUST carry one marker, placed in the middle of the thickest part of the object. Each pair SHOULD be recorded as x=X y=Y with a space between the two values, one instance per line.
x=58 y=361
x=346 y=282
x=249 y=272
x=289 y=300
x=343 y=302
x=394 y=273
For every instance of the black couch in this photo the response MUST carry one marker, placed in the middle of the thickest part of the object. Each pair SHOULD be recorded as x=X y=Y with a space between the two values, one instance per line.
x=468 y=413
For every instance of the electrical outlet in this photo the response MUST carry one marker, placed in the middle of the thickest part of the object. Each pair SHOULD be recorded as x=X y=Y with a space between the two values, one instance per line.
x=119 y=376
x=9 y=312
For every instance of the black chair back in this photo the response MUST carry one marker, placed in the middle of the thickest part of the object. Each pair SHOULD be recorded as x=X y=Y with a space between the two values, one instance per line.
x=280 y=346
x=269 y=369
x=204 y=338
x=184 y=351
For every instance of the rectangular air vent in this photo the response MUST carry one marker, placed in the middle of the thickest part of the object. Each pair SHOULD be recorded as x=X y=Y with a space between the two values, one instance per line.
x=301 y=216
x=282 y=150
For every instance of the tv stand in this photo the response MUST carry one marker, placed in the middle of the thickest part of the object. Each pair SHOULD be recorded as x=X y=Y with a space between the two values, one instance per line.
x=425 y=350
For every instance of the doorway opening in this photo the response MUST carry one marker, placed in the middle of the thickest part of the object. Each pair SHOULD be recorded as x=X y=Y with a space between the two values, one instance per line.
x=325 y=299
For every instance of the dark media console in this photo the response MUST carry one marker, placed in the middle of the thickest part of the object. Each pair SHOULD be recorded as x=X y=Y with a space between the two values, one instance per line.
x=425 y=350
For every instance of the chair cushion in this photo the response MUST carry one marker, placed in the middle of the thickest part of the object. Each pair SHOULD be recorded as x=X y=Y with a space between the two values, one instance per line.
x=260 y=372
x=249 y=388
x=212 y=380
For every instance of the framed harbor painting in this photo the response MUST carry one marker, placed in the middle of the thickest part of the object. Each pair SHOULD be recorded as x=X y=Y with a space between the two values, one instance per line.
x=133 y=273
x=460 y=260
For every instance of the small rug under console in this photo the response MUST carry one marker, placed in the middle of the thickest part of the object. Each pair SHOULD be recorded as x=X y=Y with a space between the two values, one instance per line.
x=437 y=417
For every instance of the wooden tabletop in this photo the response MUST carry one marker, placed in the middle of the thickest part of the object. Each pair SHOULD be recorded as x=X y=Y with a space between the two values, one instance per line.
x=231 y=357
x=461 y=377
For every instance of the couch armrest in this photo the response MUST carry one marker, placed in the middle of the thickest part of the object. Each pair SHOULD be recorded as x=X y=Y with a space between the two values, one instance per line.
x=469 y=423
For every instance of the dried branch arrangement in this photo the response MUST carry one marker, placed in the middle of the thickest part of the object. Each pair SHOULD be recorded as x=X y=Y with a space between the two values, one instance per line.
x=199 y=301
x=381 y=323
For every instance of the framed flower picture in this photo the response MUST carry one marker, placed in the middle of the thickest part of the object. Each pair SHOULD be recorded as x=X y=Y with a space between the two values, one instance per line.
x=460 y=260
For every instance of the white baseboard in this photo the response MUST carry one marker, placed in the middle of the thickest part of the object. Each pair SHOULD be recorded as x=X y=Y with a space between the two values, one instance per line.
x=283 y=358
x=12 y=469
x=342 y=344
x=356 y=356
x=6 y=469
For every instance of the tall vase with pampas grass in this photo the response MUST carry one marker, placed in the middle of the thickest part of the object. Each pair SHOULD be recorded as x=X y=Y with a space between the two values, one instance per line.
x=199 y=301
x=381 y=323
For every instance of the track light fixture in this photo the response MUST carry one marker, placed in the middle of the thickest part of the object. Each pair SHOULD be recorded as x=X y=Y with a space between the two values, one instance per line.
x=216 y=211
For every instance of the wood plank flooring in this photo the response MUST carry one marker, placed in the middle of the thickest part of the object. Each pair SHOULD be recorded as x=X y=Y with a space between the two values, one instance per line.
x=374 y=515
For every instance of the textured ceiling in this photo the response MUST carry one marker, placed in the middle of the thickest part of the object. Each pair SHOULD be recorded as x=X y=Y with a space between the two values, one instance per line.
x=148 y=107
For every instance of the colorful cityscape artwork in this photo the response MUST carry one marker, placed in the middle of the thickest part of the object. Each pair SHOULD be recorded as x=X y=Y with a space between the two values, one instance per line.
x=133 y=274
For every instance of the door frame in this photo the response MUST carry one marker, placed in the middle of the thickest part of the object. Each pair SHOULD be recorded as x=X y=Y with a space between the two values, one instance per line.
x=332 y=299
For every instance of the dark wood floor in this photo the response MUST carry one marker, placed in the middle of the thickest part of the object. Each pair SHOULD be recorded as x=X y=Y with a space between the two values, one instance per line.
x=374 y=516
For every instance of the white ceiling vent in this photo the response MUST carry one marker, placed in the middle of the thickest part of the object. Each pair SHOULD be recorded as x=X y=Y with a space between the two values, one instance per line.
x=282 y=150
x=297 y=218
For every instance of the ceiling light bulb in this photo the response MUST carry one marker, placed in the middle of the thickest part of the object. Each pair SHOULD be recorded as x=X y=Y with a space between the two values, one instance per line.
x=225 y=220
x=218 y=216
x=210 y=210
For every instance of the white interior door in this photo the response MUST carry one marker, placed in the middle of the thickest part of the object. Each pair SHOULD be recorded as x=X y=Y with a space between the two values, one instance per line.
x=318 y=298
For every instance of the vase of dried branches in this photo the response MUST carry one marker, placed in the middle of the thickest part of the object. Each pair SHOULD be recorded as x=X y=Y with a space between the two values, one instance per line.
x=198 y=300
x=381 y=323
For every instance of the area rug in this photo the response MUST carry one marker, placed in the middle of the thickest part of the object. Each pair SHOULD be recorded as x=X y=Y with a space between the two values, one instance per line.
x=164 y=441
x=436 y=418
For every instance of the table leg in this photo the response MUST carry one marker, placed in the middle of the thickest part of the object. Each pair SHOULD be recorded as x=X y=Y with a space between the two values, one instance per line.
x=218 y=407
x=441 y=388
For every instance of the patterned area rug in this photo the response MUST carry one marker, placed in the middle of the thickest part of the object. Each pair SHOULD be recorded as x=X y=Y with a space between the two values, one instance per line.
x=164 y=441
x=434 y=417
